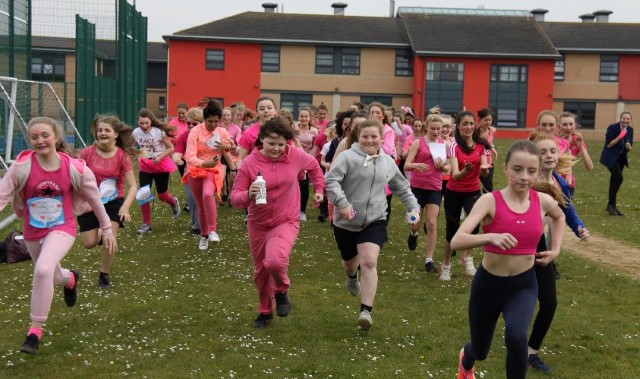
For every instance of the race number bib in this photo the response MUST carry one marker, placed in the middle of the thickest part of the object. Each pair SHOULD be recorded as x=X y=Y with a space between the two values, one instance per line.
x=108 y=190
x=46 y=212
x=213 y=141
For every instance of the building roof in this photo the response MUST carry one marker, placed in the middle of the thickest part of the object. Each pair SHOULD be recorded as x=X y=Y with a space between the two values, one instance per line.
x=288 y=28
x=106 y=49
x=475 y=35
x=593 y=36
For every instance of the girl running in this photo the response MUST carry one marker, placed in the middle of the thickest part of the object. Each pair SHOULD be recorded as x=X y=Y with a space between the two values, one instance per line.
x=512 y=221
x=426 y=185
x=577 y=145
x=266 y=109
x=109 y=159
x=468 y=161
x=356 y=185
x=155 y=163
x=273 y=227
x=306 y=135
x=553 y=163
x=205 y=172
x=48 y=187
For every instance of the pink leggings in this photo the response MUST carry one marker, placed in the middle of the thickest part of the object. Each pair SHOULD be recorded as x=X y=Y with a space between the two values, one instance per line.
x=204 y=190
x=271 y=249
x=46 y=255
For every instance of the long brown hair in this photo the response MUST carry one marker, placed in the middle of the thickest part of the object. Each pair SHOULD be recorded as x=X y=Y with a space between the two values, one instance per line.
x=124 y=139
x=144 y=112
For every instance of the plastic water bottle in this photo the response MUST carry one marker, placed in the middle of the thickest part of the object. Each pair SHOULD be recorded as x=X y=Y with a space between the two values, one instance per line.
x=261 y=199
x=412 y=218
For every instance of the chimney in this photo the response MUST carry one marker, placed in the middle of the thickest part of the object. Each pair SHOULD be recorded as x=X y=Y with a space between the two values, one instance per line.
x=338 y=8
x=602 y=16
x=538 y=14
x=588 y=18
x=392 y=8
x=269 y=7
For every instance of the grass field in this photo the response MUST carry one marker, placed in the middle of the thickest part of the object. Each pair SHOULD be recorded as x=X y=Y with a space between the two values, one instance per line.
x=178 y=312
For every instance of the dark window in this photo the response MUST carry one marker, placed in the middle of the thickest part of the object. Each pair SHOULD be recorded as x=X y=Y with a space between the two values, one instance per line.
x=162 y=102
x=295 y=101
x=270 y=58
x=215 y=59
x=384 y=100
x=156 y=75
x=338 y=60
x=404 y=62
x=559 y=69
x=609 y=66
x=48 y=67
x=586 y=112
x=445 y=85
x=508 y=95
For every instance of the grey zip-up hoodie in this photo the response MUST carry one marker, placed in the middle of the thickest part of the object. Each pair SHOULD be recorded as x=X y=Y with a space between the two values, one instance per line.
x=350 y=182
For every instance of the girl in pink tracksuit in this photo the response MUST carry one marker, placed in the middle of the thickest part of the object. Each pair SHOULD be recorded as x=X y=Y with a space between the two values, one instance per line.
x=48 y=188
x=273 y=227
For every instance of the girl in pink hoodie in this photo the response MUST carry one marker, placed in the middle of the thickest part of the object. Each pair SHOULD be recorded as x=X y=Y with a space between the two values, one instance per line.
x=273 y=227
x=48 y=187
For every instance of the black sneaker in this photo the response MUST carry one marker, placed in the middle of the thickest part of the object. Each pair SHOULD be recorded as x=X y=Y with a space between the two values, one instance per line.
x=30 y=345
x=104 y=281
x=430 y=268
x=618 y=213
x=71 y=294
x=611 y=209
x=322 y=217
x=263 y=320
x=196 y=231
x=538 y=364
x=186 y=209
x=412 y=241
x=283 y=306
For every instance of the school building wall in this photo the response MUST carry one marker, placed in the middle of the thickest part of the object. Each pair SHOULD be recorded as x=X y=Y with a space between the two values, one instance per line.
x=190 y=81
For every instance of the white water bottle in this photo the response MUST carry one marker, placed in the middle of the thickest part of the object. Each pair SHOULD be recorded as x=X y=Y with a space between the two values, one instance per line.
x=261 y=199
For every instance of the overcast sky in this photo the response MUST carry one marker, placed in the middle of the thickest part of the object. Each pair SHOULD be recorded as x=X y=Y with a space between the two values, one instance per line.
x=166 y=17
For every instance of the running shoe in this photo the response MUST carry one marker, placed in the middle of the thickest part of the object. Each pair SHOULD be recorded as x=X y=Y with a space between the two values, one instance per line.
x=175 y=209
x=263 y=320
x=465 y=374
x=445 y=273
x=538 y=364
x=204 y=243
x=30 y=345
x=144 y=229
x=104 y=282
x=364 y=320
x=303 y=217
x=71 y=294
x=469 y=268
x=353 y=285
x=412 y=241
x=283 y=306
x=214 y=237
x=430 y=267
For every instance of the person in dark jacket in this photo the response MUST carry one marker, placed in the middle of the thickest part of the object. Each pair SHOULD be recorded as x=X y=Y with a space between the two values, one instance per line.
x=618 y=142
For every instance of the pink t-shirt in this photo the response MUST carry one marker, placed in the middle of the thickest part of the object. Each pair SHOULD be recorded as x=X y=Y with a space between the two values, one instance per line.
x=430 y=179
x=181 y=143
x=181 y=125
x=471 y=182
x=407 y=131
x=563 y=144
x=307 y=137
x=234 y=132
x=108 y=168
x=49 y=196
x=249 y=137
x=320 y=141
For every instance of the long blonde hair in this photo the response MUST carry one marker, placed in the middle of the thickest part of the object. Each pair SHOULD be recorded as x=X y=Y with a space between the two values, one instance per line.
x=565 y=160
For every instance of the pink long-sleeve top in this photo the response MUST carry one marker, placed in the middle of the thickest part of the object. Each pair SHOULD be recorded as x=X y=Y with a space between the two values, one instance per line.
x=197 y=149
x=283 y=192
x=389 y=141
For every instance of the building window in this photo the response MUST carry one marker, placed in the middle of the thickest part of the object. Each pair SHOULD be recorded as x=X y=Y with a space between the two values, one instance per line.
x=295 y=101
x=558 y=73
x=508 y=95
x=338 y=60
x=162 y=103
x=586 y=112
x=215 y=59
x=445 y=85
x=48 y=67
x=609 y=66
x=270 y=58
x=384 y=100
x=404 y=62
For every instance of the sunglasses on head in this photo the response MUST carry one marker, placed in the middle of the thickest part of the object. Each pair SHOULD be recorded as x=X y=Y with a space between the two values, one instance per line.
x=192 y=123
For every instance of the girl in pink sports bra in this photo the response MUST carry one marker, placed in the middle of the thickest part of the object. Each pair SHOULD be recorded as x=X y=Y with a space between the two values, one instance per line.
x=512 y=222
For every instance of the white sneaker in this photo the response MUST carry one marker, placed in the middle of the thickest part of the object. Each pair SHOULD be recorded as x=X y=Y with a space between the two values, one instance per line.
x=469 y=268
x=353 y=285
x=214 y=237
x=204 y=243
x=175 y=209
x=303 y=217
x=365 y=321
x=445 y=273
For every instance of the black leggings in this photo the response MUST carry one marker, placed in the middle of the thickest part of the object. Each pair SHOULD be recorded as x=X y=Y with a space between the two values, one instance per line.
x=161 y=179
x=616 y=180
x=515 y=298
x=547 y=297
x=304 y=193
x=454 y=202
x=487 y=181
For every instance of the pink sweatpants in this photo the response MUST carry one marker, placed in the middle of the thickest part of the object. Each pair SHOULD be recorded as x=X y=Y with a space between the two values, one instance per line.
x=47 y=271
x=204 y=190
x=271 y=249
